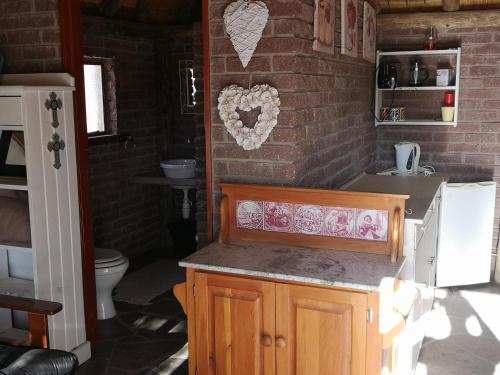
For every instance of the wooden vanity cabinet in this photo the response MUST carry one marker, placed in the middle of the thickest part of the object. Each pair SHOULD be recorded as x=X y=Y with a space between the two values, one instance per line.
x=246 y=326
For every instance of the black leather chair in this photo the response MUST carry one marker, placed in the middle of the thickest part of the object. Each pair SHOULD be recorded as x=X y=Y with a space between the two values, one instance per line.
x=35 y=359
x=23 y=360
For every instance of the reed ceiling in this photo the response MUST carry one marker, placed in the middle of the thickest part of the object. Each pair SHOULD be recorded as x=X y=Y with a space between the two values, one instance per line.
x=409 y=6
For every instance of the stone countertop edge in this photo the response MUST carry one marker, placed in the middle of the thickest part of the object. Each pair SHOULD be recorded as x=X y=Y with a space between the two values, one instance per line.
x=237 y=269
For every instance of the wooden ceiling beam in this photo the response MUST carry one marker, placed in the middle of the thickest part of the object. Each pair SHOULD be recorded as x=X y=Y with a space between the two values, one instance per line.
x=441 y=20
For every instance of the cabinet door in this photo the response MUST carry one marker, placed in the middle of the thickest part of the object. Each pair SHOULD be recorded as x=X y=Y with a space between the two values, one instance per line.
x=235 y=325
x=320 y=331
x=425 y=253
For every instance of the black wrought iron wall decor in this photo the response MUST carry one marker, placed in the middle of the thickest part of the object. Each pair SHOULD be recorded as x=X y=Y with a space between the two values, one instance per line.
x=53 y=104
x=56 y=146
x=12 y=163
x=187 y=88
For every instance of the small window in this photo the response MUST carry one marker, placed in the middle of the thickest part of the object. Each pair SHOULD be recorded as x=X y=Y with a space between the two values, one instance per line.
x=94 y=100
x=100 y=96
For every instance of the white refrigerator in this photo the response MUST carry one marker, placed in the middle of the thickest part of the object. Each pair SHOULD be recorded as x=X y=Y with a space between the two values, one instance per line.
x=465 y=234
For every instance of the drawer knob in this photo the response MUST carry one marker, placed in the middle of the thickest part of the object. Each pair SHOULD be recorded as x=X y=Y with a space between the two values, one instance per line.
x=266 y=340
x=280 y=342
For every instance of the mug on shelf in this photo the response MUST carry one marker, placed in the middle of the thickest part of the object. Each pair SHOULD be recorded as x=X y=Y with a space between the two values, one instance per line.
x=447 y=113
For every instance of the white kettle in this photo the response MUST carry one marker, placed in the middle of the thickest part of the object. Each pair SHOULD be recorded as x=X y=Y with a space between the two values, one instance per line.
x=407 y=157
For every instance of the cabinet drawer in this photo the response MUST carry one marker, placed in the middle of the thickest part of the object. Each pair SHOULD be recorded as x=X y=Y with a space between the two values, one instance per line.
x=11 y=110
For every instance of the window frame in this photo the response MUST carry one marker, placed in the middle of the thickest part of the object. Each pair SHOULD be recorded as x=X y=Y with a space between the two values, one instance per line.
x=107 y=96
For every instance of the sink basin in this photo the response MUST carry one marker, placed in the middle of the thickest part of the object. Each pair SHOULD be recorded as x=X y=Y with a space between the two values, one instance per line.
x=178 y=168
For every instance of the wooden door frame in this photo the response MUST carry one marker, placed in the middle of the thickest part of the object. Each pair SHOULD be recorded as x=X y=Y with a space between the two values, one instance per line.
x=72 y=59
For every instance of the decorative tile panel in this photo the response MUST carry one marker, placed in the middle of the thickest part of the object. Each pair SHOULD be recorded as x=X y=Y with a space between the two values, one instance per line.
x=249 y=215
x=340 y=222
x=371 y=225
x=278 y=217
x=308 y=219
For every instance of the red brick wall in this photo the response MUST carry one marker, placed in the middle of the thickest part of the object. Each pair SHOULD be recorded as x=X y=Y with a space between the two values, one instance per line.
x=29 y=36
x=325 y=134
x=471 y=151
x=126 y=215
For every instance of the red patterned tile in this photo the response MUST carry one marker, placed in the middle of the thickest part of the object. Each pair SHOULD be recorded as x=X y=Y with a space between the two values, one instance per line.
x=278 y=217
x=249 y=215
x=308 y=219
x=371 y=225
x=339 y=222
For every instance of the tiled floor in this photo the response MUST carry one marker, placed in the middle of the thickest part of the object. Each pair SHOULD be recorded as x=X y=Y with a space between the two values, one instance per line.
x=141 y=340
x=462 y=337
x=463 y=333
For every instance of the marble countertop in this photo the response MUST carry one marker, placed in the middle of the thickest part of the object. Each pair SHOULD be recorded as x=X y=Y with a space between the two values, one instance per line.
x=421 y=189
x=345 y=269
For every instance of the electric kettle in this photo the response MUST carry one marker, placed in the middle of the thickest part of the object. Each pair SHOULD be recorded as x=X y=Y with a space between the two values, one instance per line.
x=407 y=157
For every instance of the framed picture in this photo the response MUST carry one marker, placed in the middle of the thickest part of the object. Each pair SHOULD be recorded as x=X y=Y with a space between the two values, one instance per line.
x=324 y=26
x=349 y=37
x=12 y=157
x=369 y=33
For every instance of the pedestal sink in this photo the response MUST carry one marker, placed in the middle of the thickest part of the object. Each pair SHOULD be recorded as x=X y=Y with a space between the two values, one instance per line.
x=180 y=169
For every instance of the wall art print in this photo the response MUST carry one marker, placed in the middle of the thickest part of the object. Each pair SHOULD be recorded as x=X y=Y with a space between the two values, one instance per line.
x=324 y=26
x=245 y=21
x=371 y=225
x=249 y=215
x=308 y=219
x=349 y=35
x=369 y=33
x=340 y=222
x=278 y=217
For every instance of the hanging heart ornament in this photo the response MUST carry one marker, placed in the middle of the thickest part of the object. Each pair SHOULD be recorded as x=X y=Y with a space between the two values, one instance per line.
x=234 y=97
x=244 y=21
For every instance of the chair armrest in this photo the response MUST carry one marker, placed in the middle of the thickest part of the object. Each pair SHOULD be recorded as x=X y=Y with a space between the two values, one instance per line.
x=29 y=305
x=38 y=311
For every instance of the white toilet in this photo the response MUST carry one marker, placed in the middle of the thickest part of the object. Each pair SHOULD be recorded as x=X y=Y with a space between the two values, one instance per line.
x=110 y=266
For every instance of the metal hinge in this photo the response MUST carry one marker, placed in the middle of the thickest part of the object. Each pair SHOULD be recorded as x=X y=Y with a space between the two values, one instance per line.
x=194 y=290
x=369 y=315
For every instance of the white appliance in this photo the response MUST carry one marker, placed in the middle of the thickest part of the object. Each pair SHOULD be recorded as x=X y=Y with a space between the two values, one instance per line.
x=407 y=157
x=465 y=234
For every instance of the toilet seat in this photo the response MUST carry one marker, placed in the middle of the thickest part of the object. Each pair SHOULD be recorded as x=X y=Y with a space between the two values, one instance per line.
x=106 y=258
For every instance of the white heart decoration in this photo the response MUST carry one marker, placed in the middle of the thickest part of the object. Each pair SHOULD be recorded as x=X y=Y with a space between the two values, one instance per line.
x=264 y=96
x=244 y=21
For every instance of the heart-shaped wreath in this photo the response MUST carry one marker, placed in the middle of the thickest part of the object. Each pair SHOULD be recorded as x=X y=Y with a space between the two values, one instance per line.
x=234 y=97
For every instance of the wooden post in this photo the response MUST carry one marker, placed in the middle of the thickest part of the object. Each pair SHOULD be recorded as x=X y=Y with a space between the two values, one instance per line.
x=38 y=331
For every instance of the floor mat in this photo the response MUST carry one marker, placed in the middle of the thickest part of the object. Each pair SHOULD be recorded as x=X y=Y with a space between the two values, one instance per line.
x=143 y=285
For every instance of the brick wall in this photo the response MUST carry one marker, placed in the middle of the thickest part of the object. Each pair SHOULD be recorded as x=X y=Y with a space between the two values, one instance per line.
x=126 y=215
x=471 y=151
x=325 y=134
x=29 y=36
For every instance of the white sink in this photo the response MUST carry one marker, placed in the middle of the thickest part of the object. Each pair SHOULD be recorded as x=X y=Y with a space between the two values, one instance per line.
x=178 y=168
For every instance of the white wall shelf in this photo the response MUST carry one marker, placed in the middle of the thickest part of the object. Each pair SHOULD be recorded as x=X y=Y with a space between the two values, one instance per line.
x=13 y=183
x=17 y=287
x=438 y=52
x=379 y=92
x=415 y=122
x=14 y=128
x=421 y=88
